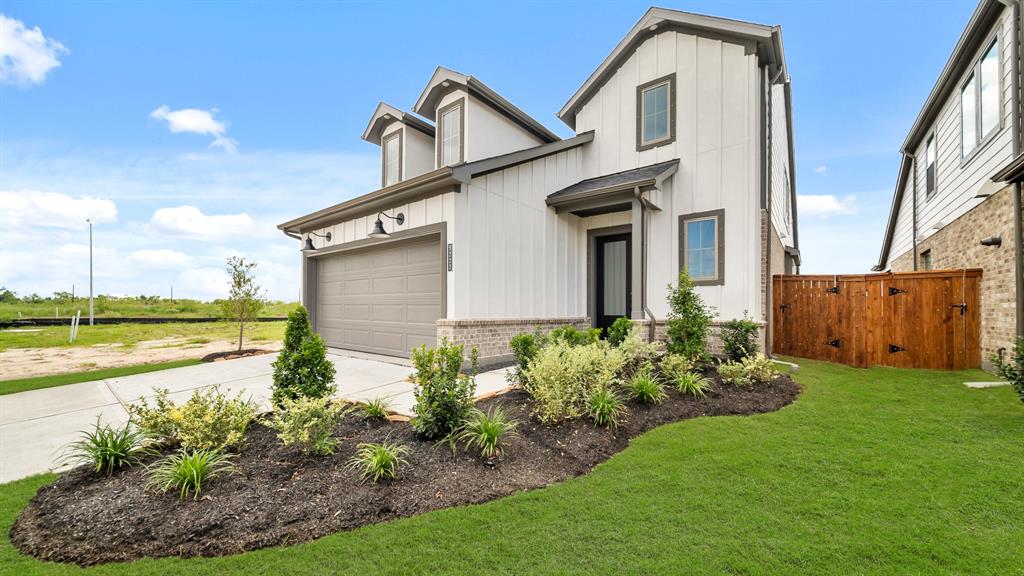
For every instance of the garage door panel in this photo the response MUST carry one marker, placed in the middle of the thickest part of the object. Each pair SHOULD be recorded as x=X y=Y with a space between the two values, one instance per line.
x=384 y=299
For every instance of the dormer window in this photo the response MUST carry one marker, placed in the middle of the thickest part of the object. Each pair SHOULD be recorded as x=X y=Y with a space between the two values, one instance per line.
x=392 y=160
x=450 y=133
x=655 y=113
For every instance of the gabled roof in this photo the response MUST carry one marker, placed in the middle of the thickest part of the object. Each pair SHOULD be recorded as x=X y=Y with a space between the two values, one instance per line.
x=445 y=80
x=766 y=41
x=384 y=114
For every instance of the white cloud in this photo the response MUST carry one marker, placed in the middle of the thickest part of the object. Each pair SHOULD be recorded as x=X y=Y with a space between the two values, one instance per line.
x=825 y=205
x=823 y=170
x=192 y=223
x=26 y=56
x=25 y=208
x=162 y=258
x=197 y=121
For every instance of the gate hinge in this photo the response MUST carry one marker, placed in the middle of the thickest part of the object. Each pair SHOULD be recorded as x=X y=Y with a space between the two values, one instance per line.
x=783 y=307
x=895 y=291
x=834 y=343
x=833 y=290
x=894 y=349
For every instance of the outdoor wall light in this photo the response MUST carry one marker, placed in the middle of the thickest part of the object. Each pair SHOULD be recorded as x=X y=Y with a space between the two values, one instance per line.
x=309 y=241
x=992 y=241
x=378 y=226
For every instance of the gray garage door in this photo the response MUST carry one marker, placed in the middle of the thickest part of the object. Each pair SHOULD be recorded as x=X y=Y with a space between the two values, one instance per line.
x=383 y=299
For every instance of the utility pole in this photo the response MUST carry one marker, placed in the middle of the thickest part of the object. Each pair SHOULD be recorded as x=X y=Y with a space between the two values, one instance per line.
x=90 y=272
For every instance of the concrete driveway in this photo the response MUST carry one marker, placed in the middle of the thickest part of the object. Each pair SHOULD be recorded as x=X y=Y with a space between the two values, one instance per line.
x=36 y=425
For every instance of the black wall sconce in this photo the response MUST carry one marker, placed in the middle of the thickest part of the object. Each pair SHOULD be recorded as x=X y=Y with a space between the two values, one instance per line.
x=992 y=241
x=308 y=247
x=378 y=226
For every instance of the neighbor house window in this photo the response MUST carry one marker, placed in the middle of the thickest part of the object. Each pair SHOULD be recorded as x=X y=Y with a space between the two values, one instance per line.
x=700 y=246
x=451 y=132
x=926 y=260
x=980 y=102
x=929 y=166
x=655 y=105
x=393 y=159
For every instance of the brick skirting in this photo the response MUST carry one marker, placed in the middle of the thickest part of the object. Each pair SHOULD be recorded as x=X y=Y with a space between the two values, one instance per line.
x=491 y=336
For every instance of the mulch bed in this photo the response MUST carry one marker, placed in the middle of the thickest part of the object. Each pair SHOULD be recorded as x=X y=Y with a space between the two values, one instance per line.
x=280 y=496
x=232 y=354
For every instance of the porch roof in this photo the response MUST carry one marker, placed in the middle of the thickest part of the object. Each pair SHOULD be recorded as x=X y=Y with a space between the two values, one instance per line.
x=611 y=190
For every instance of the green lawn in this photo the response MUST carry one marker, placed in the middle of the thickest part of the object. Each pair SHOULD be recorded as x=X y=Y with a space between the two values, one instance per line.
x=131 y=334
x=104 y=306
x=23 y=384
x=879 y=471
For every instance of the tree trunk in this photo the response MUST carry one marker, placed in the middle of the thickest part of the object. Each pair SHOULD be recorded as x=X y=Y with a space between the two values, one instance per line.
x=241 y=328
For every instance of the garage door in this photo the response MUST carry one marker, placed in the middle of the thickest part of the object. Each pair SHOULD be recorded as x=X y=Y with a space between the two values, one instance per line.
x=383 y=299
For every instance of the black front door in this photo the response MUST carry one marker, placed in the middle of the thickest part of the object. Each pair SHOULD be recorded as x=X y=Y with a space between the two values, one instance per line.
x=614 y=280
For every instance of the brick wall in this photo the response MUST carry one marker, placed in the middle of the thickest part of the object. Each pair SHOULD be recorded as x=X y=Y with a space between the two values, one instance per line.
x=715 y=346
x=491 y=336
x=958 y=245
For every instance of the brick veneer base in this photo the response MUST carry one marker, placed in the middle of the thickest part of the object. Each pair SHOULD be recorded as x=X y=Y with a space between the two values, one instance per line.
x=715 y=346
x=491 y=336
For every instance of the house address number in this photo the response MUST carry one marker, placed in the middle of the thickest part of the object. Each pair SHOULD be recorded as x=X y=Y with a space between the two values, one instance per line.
x=449 y=257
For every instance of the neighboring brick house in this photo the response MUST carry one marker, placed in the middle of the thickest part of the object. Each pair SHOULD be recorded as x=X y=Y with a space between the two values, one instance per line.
x=953 y=207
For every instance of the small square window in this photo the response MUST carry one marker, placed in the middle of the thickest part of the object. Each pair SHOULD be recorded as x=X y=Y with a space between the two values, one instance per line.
x=655 y=113
x=926 y=260
x=700 y=247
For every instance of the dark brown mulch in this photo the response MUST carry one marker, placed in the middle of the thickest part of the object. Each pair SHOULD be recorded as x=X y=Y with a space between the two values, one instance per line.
x=232 y=354
x=281 y=496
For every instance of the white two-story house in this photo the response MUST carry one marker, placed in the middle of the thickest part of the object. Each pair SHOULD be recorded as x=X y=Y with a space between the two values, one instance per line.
x=954 y=206
x=487 y=224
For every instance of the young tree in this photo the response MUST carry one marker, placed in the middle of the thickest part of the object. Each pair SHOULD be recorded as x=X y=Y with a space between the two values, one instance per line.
x=302 y=369
x=246 y=298
x=689 y=319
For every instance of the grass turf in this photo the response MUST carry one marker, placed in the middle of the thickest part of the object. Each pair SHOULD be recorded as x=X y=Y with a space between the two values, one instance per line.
x=131 y=334
x=127 y=307
x=23 y=384
x=879 y=471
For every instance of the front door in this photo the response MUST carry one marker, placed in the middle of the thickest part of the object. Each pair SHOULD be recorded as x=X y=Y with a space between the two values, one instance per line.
x=614 y=278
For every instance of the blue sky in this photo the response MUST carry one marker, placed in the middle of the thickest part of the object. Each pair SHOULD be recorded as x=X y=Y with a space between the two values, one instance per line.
x=285 y=91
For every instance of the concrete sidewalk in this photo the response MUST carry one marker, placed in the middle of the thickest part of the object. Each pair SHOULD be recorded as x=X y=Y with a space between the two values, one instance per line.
x=35 y=426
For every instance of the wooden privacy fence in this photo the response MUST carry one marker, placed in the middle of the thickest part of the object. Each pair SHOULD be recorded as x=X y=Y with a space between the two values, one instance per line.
x=906 y=320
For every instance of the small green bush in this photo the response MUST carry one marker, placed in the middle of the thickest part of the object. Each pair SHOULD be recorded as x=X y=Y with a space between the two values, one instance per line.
x=573 y=337
x=733 y=373
x=689 y=320
x=759 y=369
x=309 y=424
x=106 y=448
x=1012 y=370
x=302 y=369
x=187 y=471
x=605 y=407
x=618 y=330
x=376 y=409
x=692 y=383
x=377 y=461
x=524 y=347
x=209 y=420
x=443 y=395
x=645 y=387
x=739 y=338
x=562 y=376
x=675 y=365
x=486 y=432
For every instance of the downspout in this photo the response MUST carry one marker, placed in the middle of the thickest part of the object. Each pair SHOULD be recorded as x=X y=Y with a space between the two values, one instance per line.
x=1018 y=226
x=643 y=264
x=913 y=195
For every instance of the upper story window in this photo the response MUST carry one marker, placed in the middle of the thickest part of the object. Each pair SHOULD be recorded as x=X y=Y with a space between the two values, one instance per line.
x=392 y=158
x=655 y=112
x=450 y=133
x=929 y=166
x=980 y=102
x=701 y=247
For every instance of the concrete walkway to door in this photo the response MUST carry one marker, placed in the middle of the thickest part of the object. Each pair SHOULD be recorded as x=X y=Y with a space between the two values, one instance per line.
x=36 y=425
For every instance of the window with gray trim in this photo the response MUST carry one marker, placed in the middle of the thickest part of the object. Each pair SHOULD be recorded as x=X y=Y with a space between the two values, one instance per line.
x=450 y=134
x=701 y=247
x=655 y=112
x=980 y=101
x=393 y=158
x=929 y=166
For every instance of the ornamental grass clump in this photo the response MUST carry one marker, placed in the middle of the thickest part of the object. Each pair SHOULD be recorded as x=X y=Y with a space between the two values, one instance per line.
x=376 y=409
x=487 y=432
x=562 y=377
x=378 y=461
x=605 y=407
x=107 y=449
x=309 y=423
x=209 y=420
x=187 y=471
x=645 y=387
x=692 y=383
x=444 y=395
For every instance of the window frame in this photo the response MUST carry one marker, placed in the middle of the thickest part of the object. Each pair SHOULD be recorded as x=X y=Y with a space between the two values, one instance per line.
x=719 y=217
x=441 y=112
x=397 y=134
x=670 y=81
x=929 y=194
x=981 y=140
x=927 y=264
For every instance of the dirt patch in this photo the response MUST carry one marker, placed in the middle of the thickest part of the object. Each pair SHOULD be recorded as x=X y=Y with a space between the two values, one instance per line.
x=280 y=496
x=234 y=354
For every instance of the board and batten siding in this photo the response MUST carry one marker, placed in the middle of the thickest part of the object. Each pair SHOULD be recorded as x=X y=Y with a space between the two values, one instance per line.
x=781 y=170
x=958 y=180
x=717 y=143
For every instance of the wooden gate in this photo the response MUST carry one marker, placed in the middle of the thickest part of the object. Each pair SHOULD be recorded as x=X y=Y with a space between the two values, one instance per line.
x=907 y=320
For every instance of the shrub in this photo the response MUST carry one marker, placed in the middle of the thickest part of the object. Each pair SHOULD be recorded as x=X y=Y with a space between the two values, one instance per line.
x=675 y=365
x=739 y=337
x=561 y=377
x=605 y=407
x=308 y=423
x=302 y=369
x=573 y=337
x=618 y=330
x=209 y=420
x=733 y=373
x=759 y=369
x=376 y=461
x=692 y=383
x=524 y=347
x=636 y=351
x=1013 y=370
x=106 y=448
x=688 y=320
x=444 y=397
x=376 y=409
x=645 y=387
x=187 y=471
x=485 y=432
